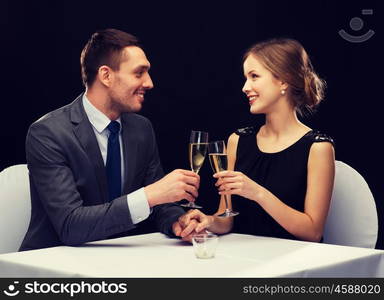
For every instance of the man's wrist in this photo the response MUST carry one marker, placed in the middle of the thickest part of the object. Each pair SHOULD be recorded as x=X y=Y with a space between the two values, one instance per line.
x=148 y=190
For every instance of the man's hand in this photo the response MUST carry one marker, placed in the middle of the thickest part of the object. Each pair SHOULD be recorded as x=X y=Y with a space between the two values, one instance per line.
x=175 y=186
x=186 y=236
x=194 y=221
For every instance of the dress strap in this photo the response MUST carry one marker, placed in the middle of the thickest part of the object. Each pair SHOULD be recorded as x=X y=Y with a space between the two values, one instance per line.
x=246 y=131
x=317 y=136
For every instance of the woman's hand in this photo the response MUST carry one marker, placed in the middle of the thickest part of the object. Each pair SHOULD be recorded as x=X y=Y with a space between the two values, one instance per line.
x=192 y=222
x=236 y=183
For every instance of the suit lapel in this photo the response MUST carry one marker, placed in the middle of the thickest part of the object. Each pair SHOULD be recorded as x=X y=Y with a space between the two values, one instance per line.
x=86 y=137
x=130 y=151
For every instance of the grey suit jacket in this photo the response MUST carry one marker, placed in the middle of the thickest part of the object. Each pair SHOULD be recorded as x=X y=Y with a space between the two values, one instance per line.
x=69 y=186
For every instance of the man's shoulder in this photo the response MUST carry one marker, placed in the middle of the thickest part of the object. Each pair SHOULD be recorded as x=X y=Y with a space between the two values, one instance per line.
x=53 y=116
x=59 y=116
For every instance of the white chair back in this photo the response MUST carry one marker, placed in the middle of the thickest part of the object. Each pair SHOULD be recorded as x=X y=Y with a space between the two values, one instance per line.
x=352 y=218
x=15 y=207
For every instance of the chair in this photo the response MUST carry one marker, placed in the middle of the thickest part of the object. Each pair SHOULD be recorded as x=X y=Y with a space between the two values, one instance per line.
x=352 y=218
x=15 y=207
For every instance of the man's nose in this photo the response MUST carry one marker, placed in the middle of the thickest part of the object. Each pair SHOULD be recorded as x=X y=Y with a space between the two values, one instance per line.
x=148 y=84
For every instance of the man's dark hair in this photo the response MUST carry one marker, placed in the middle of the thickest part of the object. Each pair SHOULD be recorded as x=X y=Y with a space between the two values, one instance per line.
x=104 y=48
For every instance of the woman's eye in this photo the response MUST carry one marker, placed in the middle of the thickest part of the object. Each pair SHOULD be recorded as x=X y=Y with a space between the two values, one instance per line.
x=253 y=76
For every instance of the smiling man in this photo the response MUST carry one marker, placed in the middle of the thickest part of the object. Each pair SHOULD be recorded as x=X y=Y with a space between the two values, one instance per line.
x=94 y=167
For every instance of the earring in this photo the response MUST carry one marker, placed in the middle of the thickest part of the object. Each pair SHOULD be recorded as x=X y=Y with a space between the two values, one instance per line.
x=283 y=92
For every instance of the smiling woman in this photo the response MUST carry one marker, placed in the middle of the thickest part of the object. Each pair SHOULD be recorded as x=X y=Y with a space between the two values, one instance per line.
x=280 y=176
x=286 y=62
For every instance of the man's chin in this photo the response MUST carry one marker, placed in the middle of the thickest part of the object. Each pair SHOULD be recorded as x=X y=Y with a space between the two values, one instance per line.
x=133 y=108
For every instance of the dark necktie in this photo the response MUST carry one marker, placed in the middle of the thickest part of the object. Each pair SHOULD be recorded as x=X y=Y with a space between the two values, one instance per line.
x=113 y=165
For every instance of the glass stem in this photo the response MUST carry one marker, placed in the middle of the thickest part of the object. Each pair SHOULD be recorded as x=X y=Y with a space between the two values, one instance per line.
x=226 y=202
x=196 y=173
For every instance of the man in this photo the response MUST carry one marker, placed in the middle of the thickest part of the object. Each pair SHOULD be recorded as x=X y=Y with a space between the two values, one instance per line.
x=94 y=167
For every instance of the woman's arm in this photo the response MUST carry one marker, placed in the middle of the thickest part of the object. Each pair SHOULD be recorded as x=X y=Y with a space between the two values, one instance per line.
x=195 y=220
x=218 y=224
x=307 y=225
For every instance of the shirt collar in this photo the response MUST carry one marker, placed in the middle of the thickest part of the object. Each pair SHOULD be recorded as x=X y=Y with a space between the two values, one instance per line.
x=98 y=120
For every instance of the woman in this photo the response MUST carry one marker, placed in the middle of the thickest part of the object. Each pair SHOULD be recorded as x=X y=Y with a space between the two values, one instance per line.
x=284 y=170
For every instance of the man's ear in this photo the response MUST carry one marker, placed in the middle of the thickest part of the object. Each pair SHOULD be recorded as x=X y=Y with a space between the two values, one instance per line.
x=105 y=75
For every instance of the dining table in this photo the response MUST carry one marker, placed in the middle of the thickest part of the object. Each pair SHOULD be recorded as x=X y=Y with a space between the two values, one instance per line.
x=155 y=255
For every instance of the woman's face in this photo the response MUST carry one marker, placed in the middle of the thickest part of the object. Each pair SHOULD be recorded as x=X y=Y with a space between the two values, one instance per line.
x=263 y=90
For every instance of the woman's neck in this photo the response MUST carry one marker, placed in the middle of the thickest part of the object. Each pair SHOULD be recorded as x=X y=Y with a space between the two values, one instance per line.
x=283 y=124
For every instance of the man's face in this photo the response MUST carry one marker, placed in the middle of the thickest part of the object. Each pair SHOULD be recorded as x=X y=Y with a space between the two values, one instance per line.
x=131 y=81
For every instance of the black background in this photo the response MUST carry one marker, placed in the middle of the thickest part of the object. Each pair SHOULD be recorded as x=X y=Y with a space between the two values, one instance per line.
x=195 y=50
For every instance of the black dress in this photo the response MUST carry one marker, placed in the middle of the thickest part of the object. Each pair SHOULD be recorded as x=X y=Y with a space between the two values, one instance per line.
x=283 y=173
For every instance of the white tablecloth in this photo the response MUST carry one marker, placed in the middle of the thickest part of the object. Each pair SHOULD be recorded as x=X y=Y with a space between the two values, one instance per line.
x=155 y=255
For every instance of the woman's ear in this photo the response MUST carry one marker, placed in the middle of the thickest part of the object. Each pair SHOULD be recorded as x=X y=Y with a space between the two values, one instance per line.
x=283 y=85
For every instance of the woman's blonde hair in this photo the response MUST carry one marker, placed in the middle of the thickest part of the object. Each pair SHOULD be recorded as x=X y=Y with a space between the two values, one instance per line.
x=288 y=61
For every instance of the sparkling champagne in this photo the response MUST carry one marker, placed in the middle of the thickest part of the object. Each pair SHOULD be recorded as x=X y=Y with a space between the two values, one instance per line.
x=218 y=161
x=197 y=152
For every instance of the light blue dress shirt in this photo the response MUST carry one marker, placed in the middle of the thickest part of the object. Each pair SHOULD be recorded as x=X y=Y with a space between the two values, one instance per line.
x=137 y=200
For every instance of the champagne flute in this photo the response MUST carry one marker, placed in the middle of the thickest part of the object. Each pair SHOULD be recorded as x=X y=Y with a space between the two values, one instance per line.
x=219 y=162
x=198 y=144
